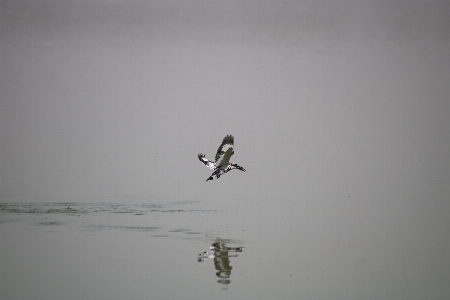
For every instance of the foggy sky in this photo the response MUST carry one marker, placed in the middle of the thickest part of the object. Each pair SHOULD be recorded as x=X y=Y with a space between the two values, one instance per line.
x=110 y=99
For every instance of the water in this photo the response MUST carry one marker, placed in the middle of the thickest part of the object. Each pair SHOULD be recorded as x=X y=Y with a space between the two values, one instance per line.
x=188 y=250
x=115 y=251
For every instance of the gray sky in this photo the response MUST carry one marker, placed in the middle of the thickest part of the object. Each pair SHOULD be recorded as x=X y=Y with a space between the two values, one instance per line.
x=111 y=100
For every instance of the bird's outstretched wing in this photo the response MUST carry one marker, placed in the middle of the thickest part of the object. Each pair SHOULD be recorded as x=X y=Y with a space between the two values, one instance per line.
x=225 y=151
x=207 y=163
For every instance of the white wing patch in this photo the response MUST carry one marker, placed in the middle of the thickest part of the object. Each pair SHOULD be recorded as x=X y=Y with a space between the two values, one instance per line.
x=225 y=151
x=207 y=163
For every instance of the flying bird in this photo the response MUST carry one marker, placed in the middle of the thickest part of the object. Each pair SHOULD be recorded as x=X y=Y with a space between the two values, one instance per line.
x=222 y=164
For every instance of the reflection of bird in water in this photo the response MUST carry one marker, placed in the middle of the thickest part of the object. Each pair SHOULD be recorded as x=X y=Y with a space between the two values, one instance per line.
x=222 y=164
x=206 y=254
x=222 y=246
x=221 y=255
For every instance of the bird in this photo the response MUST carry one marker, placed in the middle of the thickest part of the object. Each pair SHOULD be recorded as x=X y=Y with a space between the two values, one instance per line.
x=222 y=164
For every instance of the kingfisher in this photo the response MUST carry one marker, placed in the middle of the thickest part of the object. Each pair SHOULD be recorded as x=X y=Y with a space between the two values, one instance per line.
x=222 y=164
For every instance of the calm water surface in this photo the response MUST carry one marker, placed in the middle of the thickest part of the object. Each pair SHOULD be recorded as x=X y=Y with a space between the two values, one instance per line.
x=116 y=251
x=187 y=250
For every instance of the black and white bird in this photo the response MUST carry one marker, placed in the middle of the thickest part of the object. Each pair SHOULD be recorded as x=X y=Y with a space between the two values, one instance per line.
x=222 y=164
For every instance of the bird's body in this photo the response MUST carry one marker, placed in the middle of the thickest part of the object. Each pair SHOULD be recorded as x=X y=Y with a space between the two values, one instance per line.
x=222 y=164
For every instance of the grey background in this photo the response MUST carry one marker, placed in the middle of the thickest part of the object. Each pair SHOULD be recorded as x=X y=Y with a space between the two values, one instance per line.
x=109 y=99
x=340 y=112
